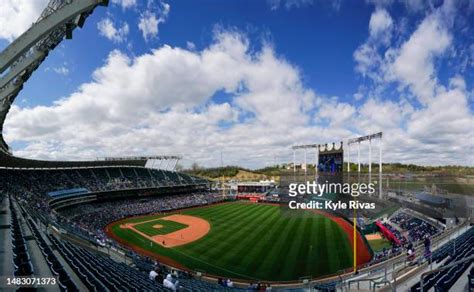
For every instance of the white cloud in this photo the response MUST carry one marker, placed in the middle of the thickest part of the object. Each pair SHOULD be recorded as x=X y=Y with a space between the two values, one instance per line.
x=380 y=3
x=380 y=22
x=149 y=21
x=369 y=61
x=147 y=103
x=16 y=16
x=162 y=102
x=288 y=4
x=125 y=3
x=61 y=70
x=441 y=128
x=337 y=113
x=190 y=46
x=108 y=29
x=413 y=66
x=415 y=5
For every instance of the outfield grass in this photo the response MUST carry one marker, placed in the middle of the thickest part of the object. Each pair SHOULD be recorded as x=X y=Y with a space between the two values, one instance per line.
x=254 y=241
x=379 y=244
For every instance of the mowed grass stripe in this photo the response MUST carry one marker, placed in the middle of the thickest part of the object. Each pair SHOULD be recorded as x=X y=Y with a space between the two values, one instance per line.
x=232 y=216
x=224 y=217
x=330 y=248
x=343 y=244
x=280 y=253
x=265 y=245
x=272 y=245
x=214 y=210
x=228 y=215
x=130 y=236
x=238 y=233
x=332 y=251
x=316 y=237
x=250 y=244
x=322 y=259
x=290 y=268
x=219 y=232
x=305 y=250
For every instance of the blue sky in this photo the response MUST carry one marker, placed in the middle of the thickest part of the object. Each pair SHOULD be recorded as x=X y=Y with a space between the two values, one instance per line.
x=250 y=78
x=312 y=37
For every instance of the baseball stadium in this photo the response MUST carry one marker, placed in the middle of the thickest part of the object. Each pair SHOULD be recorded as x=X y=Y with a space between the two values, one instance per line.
x=139 y=223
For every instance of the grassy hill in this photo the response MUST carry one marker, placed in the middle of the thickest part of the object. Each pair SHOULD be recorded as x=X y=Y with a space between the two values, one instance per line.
x=228 y=172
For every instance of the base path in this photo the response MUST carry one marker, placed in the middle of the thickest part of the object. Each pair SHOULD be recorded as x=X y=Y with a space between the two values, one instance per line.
x=196 y=229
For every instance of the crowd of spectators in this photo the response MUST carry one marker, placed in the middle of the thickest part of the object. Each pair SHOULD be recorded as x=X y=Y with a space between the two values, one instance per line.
x=33 y=188
x=416 y=228
x=395 y=232
x=386 y=253
x=93 y=217
x=259 y=287
x=93 y=179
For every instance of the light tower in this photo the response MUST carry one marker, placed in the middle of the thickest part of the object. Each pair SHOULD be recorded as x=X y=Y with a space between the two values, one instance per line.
x=369 y=138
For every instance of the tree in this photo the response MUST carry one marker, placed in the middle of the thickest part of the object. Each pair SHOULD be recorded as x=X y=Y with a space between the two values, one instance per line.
x=179 y=167
x=195 y=167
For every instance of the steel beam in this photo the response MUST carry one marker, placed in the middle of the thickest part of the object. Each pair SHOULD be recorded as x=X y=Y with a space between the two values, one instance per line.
x=25 y=63
x=43 y=27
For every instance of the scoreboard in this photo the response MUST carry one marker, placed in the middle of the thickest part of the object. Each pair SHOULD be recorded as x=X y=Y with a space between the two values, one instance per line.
x=331 y=161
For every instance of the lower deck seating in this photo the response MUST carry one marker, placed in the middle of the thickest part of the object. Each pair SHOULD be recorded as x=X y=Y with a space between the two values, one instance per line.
x=21 y=257
x=445 y=279
x=100 y=273
x=327 y=287
x=471 y=279
x=64 y=280
x=465 y=239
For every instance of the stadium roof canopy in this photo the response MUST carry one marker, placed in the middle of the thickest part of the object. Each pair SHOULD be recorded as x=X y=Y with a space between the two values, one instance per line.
x=431 y=199
x=7 y=160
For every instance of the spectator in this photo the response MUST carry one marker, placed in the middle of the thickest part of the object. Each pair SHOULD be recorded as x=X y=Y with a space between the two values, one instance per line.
x=229 y=283
x=153 y=274
x=168 y=283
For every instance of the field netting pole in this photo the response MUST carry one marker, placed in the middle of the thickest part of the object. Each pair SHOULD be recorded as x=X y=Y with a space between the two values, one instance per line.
x=316 y=162
x=370 y=156
x=305 y=165
x=355 y=241
x=380 y=168
x=358 y=157
x=348 y=157
x=294 y=165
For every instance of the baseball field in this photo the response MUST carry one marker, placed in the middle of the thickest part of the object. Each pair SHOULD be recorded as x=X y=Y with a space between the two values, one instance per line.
x=243 y=240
